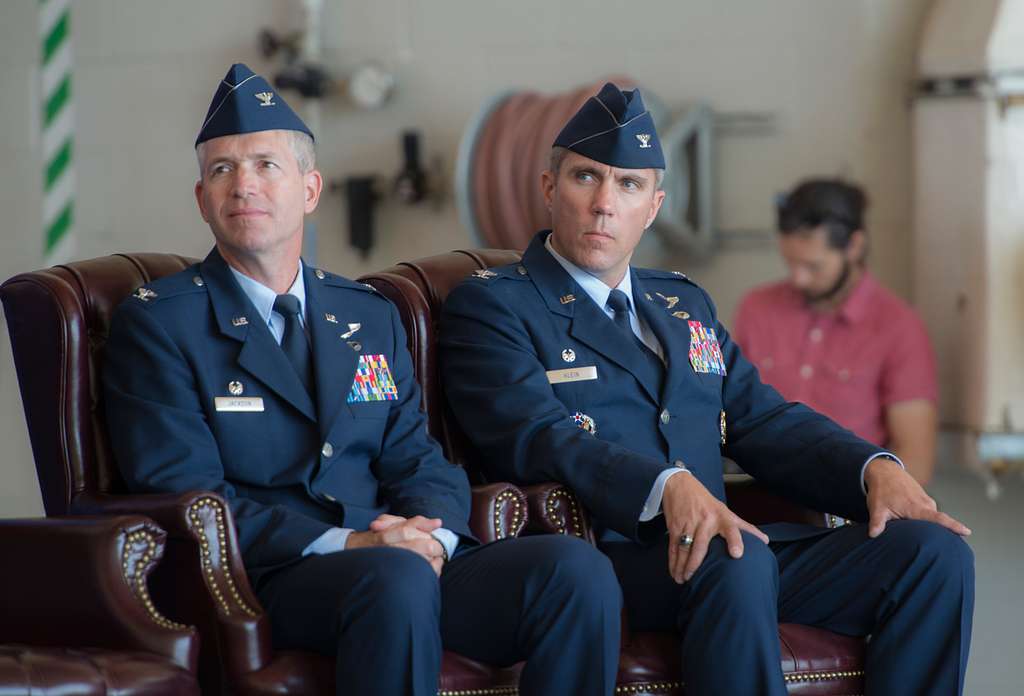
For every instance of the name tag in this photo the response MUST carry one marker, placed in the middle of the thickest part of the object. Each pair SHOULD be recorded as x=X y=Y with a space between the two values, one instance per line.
x=572 y=374
x=238 y=403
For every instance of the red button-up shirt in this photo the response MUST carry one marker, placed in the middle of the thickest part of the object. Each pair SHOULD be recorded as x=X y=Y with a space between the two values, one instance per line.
x=849 y=364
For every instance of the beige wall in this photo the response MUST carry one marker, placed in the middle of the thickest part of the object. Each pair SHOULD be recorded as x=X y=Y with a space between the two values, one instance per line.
x=832 y=72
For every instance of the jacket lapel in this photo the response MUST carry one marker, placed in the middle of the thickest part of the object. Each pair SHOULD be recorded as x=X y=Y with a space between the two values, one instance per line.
x=260 y=355
x=334 y=358
x=671 y=331
x=588 y=323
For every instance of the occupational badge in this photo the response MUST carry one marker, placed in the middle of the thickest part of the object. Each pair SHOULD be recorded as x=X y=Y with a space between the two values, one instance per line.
x=705 y=353
x=373 y=381
x=584 y=422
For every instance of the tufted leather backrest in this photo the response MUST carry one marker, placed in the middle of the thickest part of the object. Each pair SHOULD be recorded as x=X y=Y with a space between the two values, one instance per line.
x=419 y=289
x=58 y=321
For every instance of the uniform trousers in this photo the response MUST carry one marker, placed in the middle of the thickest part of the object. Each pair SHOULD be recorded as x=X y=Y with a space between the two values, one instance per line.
x=911 y=590
x=382 y=612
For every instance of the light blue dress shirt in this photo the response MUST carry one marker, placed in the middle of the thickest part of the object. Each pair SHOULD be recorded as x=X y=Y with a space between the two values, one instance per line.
x=262 y=298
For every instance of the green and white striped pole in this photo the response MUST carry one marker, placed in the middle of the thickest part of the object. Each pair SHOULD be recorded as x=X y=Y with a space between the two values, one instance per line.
x=58 y=130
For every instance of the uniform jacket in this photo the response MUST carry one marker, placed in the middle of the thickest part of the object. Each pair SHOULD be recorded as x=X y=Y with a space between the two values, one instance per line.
x=504 y=330
x=299 y=466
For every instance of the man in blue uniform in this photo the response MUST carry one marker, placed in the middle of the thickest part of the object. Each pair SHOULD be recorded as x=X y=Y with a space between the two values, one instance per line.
x=290 y=392
x=621 y=383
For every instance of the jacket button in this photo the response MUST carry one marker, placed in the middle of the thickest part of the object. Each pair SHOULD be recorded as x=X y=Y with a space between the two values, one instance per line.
x=665 y=416
x=328 y=496
x=328 y=450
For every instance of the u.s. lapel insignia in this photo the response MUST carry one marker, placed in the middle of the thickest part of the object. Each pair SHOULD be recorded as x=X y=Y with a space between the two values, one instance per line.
x=584 y=422
x=566 y=299
x=239 y=321
x=352 y=328
x=669 y=301
x=681 y=315
x=331 y=318
x=319 y=274
x=569 y=355
x=484 y=273
x=235 y=388
x=721 y=425
x=144 y=294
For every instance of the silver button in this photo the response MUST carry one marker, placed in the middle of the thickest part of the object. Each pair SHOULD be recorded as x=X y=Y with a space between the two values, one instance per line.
x=806 y=371
x=197 y=280
x=665 y=416
x=328 y=496
x=327 y=450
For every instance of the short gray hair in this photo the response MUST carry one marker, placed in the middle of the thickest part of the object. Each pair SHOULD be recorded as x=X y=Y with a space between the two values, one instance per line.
x=558 y=154
x=302 y=148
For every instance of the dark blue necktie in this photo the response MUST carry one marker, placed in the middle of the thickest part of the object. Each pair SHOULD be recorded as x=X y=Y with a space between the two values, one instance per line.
x=294 y=342
x=654 y=368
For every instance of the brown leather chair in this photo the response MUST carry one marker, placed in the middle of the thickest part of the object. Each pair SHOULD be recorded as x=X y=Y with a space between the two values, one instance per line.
x=58 y=320
x=76 y=612
x=814 y=661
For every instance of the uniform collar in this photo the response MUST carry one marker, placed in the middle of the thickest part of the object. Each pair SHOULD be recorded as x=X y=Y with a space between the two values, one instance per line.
x=263 y=298
x=590 y=284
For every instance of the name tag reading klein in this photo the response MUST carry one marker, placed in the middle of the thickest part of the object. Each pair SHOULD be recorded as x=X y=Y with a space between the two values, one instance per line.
x=238 y=403
x=572 y=374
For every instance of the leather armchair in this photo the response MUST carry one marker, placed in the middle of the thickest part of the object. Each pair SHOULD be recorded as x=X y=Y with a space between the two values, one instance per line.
x=815 y=662
x=77 y=617
x=58 y=321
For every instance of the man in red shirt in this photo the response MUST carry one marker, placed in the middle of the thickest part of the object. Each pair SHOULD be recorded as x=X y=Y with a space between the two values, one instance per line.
x=833 y=338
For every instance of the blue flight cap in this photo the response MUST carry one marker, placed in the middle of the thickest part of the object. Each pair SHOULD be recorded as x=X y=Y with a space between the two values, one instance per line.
x=246 y=103
x=614 y=128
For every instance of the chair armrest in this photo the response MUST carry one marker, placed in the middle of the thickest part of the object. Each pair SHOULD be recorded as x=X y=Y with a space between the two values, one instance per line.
x=82 y=582
x=204 y=578
x=757 y=505
x=554 y=509
x=499 y=511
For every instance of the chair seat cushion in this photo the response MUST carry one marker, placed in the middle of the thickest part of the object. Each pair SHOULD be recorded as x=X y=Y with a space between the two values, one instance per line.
x=33 y=669
x=815 y=663
x=294 y=672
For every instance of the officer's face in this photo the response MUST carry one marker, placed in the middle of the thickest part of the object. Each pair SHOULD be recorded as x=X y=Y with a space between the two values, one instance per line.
x=599 y=213
x=817 y=270
x=254 y=197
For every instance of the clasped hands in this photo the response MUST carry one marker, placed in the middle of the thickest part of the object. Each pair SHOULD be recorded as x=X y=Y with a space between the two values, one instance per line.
x=691 y=511
x=412 y=534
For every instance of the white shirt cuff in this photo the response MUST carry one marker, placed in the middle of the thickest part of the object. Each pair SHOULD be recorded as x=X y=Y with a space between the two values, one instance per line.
x=863 y=469
x=334 y=539
x=448 y=539
x=652 y=508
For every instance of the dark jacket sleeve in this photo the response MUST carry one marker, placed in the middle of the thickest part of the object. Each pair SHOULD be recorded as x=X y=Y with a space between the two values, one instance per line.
x=162 y=443
x=501 y=396
x=795 y=451
x=414 y=476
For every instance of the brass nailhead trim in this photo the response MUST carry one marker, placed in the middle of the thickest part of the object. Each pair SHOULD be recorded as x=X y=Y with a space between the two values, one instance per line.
x=492 y=691
x=797 y=677
x=503 y=498
x=648 y=687
x=552 y=513
x=204 y=546
x=136 y=577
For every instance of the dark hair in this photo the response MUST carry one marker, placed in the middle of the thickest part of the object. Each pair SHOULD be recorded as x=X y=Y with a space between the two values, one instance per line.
x=831 y=203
